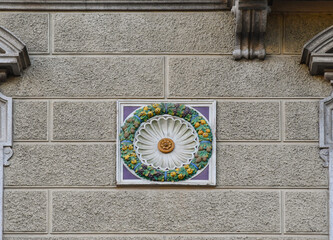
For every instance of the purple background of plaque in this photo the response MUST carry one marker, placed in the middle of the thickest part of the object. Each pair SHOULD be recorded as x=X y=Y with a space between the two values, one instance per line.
x=127 y=175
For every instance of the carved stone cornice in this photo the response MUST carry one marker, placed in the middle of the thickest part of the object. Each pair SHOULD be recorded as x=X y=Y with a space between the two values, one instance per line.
x=318 y=52
x=13 y=55
x=251 y=20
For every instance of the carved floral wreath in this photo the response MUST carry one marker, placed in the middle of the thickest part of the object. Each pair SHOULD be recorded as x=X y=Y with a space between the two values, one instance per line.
x=198 y=154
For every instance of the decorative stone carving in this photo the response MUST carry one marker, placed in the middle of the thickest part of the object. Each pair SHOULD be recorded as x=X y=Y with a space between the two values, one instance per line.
x=251 y=20
x=13 y=59
x=318 y=55
x=166 y=143
x=13 y=55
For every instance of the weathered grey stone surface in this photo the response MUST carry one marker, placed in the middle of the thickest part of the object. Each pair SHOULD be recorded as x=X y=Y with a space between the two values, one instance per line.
x=173 y=237
x=302 y=120
x=223 y=77
x=31 y=28
x=84 y=120
x=61 y=165
x=307 y=211
x=193 y=32
x=300 y=28
x=270 y=165
x=248 y=120
x=138 y=210
x=30 y=120
x=114 y=77
x=25 y=211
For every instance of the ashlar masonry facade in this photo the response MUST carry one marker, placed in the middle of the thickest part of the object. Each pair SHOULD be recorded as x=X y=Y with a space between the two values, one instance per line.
x=86 y=55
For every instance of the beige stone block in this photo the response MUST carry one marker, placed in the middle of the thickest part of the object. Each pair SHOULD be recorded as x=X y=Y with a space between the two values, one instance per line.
x=306 y=212
x=161 y=211
x=273 y=38
x=248 y=120
x=31 y=28
x=30 y=120
x=25 y=211
x=270 y=165
x=112 y=77
x=179 y=32
x=173 y=237
x=222 y=76
x=77 y=120
x=301 y=28
x=302 y=120
x=62 y=165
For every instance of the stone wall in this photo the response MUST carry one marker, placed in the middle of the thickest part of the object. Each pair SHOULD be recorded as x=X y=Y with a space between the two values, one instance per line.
x=61 y=182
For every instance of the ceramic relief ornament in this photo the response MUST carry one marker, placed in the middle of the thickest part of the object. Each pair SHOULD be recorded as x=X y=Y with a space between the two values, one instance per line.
x=166 y=142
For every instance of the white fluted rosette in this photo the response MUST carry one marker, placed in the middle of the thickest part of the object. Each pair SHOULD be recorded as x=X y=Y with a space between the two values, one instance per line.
x=174 y=131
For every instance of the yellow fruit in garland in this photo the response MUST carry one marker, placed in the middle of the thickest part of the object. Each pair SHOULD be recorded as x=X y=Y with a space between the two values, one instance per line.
x=181 y=176
x=157 y=110
x=150 y=114
x=186 y=166
x=130 y=147
x=126 y=157
x=203 y=122
x=207 y=130
x=173 y=174
x=133 y=161
x=145 y=108
x=197 y=125
x=124 y=148
x=200 y=132
x=205 y=135
x=189 y=171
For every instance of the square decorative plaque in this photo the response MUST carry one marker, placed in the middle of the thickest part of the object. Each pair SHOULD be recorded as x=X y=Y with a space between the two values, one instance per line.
x=166 y=142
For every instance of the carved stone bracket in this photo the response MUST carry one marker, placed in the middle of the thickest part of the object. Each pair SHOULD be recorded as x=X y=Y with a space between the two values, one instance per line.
x=251 y=20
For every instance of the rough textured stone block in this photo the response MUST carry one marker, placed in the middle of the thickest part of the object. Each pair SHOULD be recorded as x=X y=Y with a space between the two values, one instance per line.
x=30 y=120
x=25 y=211
x=300 y=28
x=223 y=77
x=172 y=237
x=248 y=120
x=270 y=165
x=61 y=165
x=84 y=120
x=113 y=77
x=31 y=28
x=145 y=32
x=307 y=211
x=302 y=120
x=273 y=39
x=165 y=211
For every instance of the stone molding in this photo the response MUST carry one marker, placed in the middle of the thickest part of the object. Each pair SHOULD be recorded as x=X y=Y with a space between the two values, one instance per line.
x=114 y=5
x=251 y=21
x=14 y=56
x=318 y=53
x=318 y=56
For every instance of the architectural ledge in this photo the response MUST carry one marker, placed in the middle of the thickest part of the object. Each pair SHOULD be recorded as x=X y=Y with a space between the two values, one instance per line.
x=13 y=55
